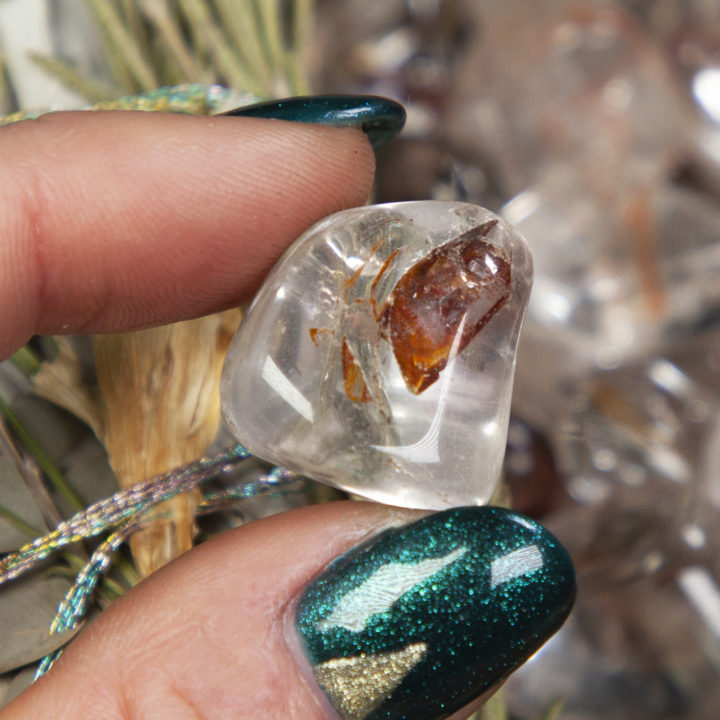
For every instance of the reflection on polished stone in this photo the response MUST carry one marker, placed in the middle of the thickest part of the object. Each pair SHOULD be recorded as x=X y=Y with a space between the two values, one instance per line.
x=378 y=357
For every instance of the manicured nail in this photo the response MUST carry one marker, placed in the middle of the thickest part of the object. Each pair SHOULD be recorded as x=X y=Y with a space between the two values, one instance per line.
x=380 y=118
x=421 y=620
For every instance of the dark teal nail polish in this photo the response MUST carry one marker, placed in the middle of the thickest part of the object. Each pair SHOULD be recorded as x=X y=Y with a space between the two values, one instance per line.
x=380 y=118
x=420 y=620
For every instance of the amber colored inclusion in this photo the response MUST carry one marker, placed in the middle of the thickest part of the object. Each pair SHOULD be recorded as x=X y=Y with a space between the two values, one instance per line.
x=442 y=302
x=355 y=386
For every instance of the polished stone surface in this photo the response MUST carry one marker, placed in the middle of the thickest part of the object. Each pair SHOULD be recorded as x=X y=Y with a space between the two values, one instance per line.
x=378 y=357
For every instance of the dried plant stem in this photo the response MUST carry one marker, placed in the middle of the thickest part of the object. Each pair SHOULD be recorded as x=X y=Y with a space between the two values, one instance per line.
x=160 y=390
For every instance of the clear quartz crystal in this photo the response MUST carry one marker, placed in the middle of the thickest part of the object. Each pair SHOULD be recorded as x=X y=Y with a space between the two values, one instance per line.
x=378 y=357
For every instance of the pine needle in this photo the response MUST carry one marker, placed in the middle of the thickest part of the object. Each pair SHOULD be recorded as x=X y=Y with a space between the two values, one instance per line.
x=241 y=23
x=122 y=49
x=212 y=40
x=90 y=89
x=170 y=38
x=42 y=458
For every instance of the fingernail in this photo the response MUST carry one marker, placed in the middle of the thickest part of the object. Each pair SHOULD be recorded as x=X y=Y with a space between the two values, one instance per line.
x=421 y=620
x=379 y=118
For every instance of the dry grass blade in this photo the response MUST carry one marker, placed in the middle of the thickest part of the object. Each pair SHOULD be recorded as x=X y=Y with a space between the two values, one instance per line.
x=161 y=396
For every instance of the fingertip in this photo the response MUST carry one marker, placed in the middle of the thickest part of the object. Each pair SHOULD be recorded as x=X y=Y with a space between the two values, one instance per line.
x=119 y=220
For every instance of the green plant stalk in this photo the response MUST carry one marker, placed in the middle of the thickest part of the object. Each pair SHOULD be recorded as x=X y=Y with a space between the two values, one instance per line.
x=42 y=459
x=124 y=80
x=5 y=91
x=19 y=523
x=26 y=361
x=87 y=87
x=123 y=44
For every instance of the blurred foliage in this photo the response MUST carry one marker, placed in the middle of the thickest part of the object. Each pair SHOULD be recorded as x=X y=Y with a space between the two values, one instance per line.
x=254 y=46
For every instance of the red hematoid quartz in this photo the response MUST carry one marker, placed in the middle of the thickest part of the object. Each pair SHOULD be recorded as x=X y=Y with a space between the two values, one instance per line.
x=442 y=302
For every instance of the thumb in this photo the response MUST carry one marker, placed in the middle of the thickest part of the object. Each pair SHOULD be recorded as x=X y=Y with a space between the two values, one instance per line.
x=418 y=617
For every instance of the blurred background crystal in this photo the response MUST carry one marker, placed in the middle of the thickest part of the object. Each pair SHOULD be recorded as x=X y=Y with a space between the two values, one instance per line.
x=594 y=127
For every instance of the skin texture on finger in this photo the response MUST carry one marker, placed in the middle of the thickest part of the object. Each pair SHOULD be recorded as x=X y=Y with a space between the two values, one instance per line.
x=120 y=220
x=207 y=636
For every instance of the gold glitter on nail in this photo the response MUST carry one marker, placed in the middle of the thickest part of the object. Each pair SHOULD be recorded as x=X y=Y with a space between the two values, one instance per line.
x=357 y=685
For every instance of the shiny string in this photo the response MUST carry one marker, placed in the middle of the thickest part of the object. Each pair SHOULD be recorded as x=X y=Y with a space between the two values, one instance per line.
x=118 y=509
x=72 y=608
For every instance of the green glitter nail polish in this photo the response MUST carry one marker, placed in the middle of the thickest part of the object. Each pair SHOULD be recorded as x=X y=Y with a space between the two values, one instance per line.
x=421 y=620
x=379 y=118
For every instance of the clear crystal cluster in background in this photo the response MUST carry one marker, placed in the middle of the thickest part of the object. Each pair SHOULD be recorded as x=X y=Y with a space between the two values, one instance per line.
x=594 y=128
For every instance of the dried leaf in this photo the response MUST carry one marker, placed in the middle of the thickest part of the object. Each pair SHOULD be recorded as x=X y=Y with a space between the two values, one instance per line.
x=27 y=609
x=5 y=682
x=88 y=471
x=61 y=382
x=16 y=684
x=17 y=499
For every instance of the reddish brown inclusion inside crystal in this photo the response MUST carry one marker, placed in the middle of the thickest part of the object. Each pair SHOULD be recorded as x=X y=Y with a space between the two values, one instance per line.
x=453 y=291
x=355 y=387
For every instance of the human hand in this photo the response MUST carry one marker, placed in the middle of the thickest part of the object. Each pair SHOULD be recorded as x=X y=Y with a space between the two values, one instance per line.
x=119 y=221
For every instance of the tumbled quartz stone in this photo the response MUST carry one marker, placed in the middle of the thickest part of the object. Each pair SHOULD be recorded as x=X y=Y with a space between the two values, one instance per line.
x=378 y=356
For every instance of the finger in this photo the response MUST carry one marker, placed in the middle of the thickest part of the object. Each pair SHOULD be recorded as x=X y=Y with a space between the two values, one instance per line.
x=120 y=220
x=417 y=621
